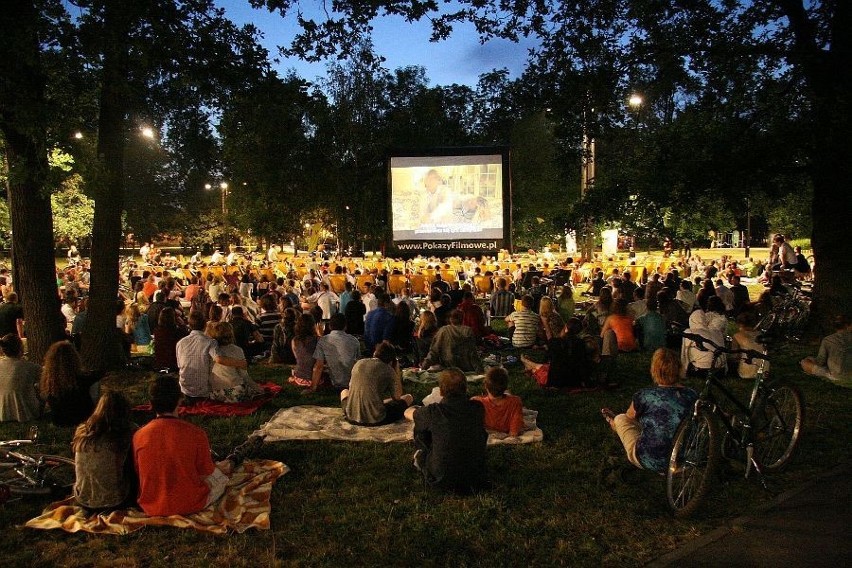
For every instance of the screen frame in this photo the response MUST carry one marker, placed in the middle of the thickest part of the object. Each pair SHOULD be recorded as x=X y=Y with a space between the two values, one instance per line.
x=446 y=250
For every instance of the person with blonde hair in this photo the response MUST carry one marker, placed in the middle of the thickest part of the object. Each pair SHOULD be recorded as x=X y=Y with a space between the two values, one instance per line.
x=229 y=378
x=136 y=326
x=69 y=391
x=648 y=426
x=105 y=475
x=551 y=322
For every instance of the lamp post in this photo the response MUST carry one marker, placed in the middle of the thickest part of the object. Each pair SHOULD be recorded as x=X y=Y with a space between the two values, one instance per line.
x=223 y=187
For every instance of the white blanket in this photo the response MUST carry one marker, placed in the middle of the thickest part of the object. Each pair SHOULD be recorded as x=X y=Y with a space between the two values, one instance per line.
x=327 y=423
x=414 y=375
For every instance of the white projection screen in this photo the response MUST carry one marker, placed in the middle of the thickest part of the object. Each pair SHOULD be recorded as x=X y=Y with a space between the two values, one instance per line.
x=457 y=202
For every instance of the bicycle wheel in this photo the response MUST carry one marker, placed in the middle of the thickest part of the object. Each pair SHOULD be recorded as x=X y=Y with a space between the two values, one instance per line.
x=55 y=475
x=695 y=458
x=777 y=424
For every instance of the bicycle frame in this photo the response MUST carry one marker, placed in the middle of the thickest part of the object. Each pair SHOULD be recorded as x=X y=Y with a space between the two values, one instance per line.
x=737 y=424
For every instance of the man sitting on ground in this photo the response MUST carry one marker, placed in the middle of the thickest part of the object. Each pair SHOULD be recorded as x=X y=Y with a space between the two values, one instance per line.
x=834 y=360
x=195 y=354
x=502 y=301
x=450 y=436
x=365 y=402
x=338 y=351
x=177 y=475
x=454 y=346
x=503 y=412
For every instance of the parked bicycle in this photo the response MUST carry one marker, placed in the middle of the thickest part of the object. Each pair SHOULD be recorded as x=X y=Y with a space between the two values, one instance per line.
x=31 y=473
x=763 y=432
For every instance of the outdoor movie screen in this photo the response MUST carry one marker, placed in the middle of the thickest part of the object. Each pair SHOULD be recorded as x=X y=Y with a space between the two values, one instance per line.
x=449 y=201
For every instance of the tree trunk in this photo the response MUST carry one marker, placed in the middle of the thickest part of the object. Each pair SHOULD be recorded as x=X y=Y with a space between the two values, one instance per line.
x=102 y=348
x=22 y=100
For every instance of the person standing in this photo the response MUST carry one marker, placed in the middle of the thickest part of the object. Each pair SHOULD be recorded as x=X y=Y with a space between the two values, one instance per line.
x=450 y=438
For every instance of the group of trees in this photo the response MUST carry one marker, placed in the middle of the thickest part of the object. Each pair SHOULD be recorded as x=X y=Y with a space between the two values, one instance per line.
x=745 y=106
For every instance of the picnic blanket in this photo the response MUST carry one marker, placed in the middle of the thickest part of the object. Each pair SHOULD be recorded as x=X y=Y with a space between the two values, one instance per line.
x=215 y=408
x=424 y=377
x=244 y=505
x=327 y=423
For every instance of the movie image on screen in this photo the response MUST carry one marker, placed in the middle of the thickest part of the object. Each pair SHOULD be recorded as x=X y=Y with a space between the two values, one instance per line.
x=447 y=197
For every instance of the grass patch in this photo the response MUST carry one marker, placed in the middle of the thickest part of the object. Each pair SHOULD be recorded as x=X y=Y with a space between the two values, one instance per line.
x=363 y=503
x=554 y=503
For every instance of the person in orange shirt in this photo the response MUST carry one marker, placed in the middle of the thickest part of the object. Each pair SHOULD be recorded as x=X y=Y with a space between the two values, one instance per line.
x=150 y=287
x=622 y=325
x=503 y=412
x=176 y=472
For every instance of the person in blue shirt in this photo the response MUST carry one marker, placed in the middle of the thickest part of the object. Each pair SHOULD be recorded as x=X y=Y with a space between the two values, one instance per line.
x=648 y=427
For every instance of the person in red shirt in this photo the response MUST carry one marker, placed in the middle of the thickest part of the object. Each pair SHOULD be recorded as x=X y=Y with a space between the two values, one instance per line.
x=177 y=475
x=503 y=412
x=473 y=316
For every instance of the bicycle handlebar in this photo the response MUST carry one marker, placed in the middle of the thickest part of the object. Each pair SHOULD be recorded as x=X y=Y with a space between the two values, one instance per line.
x=701 y=340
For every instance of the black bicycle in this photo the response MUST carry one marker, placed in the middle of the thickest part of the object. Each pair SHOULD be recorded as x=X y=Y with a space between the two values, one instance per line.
x=29 y=473
x=763 y=433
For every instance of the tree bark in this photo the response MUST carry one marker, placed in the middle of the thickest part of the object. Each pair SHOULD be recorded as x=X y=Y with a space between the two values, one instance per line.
x=23 y=103
x=102 y=348
x=829 y=78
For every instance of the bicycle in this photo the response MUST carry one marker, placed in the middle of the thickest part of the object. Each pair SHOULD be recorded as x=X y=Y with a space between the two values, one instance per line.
x=763 y=433
x=24 y=473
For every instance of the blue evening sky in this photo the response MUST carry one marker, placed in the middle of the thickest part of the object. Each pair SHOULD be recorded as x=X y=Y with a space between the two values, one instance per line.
x=460 y=59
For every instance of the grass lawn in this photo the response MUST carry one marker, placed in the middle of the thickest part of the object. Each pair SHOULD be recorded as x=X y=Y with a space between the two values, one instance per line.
x=363 y=504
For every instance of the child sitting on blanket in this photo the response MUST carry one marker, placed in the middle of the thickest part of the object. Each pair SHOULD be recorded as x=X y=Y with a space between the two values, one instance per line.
x=503 y=412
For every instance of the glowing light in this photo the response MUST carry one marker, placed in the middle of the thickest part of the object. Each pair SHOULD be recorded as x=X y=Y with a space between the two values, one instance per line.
x=635 y=100
x=78 y=135
x=147 y=132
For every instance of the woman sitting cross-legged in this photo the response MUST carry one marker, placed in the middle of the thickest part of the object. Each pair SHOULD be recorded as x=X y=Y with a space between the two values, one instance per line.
x=648 y=427
x=229 y=379
x=106 y=478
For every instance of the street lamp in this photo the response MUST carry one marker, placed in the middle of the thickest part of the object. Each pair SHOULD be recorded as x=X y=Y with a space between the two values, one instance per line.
x=147 y=132
x=635 y=101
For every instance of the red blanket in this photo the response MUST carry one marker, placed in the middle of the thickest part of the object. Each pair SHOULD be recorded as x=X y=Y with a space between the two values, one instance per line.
x=214 y=408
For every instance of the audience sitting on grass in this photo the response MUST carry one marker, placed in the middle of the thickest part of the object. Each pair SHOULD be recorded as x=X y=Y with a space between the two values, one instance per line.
x=473 y=316
x=105 y=473
x=834 y=359
x=355 y=313
x=504 y=412
x=746 y=338
x=375 y=396
x=597 y=314
x=136 y=327
x=569 y=362
x=70 y=392
x=523 y=325
x=335 y=355
x=424 y=335
x=454 y=346
x=650 y=328
x=697 y=358
x=281 y=350
x=565 y=304
x=379 y=324
x=402 y=332
x=19 y=400
x=502 y=301
x=647 y=428
x=621 y=325
x=551 y=322
x=176 y=472
x=304 y=343
x=167 y=334
x=194 y=354
x=229 y=378
x=450 y=438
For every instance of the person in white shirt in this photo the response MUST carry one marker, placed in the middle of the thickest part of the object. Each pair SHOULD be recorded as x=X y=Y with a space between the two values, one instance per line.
x=686 y=296
x=725 y=294
x=216 y=257
x=326 y=300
